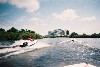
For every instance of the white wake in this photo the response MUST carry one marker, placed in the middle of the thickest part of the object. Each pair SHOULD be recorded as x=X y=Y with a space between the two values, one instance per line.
x=19 y=50
x=80 y=65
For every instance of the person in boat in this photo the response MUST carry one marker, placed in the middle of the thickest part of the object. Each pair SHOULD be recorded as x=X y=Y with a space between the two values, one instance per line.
x=27 y=43
x=72 y=40
x=24 y=44
x=30 y=39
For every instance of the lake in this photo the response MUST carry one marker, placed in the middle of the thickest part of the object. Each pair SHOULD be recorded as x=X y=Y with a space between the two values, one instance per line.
x=60 y=52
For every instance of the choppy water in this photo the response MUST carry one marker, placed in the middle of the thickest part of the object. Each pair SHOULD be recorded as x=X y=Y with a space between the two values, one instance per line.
x=59 y=54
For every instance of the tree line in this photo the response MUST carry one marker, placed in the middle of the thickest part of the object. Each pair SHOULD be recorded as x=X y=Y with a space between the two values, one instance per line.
x=75 y=35
x=15 y=34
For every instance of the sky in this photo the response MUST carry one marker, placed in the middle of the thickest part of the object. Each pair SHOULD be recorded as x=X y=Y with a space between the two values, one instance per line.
x=41 y=16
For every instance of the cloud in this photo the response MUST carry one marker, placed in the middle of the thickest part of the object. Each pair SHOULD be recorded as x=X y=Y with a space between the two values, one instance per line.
x=68 y=14
x=30 y=23
x=29 y=5
x=91 y=18
x=33 y=23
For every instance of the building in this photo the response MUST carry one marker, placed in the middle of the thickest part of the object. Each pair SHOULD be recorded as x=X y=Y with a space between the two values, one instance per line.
x=58 y=32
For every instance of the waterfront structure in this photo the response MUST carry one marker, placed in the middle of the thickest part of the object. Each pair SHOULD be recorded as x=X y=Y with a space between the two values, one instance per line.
x=58 y=32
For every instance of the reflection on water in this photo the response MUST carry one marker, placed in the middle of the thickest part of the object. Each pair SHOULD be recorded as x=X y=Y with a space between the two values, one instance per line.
x=57 y=55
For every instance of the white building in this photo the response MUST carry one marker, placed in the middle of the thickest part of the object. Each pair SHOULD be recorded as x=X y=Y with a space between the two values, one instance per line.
x=57 y=32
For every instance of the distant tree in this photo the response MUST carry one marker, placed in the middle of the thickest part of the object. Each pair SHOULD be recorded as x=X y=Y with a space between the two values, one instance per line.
x=29 y=31
x=84 y=35
x=12 y=30
x=73 y=34
x=33 y=32
x=67 y=32
x=14 y=34
x=95 y=35
x=22 y=30
x=2 y=30
x=26 y=30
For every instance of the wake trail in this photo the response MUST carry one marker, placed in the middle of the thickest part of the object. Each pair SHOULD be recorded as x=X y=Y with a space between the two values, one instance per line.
x=19 y=50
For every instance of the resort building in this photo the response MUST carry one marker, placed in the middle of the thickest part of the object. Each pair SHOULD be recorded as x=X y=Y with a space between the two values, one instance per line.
x=58 y=32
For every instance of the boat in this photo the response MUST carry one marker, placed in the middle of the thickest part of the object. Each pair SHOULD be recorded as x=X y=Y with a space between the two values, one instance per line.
x=23 y=43
x=20 y=43
x=15 y=49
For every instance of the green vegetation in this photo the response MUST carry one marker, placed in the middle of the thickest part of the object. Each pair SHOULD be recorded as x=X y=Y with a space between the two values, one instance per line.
x=14 y=34
x=75 y=35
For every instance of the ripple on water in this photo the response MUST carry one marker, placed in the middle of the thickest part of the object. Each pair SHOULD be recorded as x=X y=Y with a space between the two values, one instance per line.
x=57 y=55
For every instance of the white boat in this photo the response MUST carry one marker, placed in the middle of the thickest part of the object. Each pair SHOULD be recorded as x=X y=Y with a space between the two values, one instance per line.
x=23 y=43
x=16 y=49
x=16 y=46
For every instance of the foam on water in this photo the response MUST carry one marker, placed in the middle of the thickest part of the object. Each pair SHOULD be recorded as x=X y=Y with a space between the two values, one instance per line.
x=71 y=41
x=80 y=65
x=20 y=42
x=26 y=49
x=76 y=42
x=5 y=50
x=19 y=50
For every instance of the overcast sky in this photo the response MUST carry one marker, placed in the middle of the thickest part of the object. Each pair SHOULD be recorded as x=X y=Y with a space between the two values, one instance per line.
x=81 y=16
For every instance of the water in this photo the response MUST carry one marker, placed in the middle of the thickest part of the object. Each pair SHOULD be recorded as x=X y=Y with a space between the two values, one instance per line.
x=60 y=52
x=6 y=43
